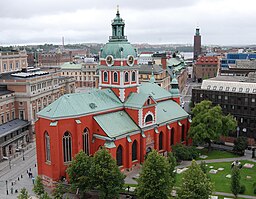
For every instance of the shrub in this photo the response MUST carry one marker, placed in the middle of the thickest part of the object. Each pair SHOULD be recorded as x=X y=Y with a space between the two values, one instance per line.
x=242 y=189
x=240 y=145
x=182 y=152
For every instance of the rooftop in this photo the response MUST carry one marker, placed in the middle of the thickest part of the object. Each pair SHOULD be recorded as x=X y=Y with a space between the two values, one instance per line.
x=231 y=84
x=120 y=124
x=12 y=126
x=147 y=69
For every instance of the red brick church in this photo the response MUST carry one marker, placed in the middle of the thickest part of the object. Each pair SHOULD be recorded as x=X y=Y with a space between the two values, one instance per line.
x=127 y=118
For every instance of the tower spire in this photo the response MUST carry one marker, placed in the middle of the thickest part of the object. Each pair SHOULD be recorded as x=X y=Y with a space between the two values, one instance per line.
x=117 y=13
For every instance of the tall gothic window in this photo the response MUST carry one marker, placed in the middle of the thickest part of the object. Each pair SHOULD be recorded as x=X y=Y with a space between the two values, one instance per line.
x=161 y=140
x=67 y=147
x=126 y=77
x=115 y=79
x=86 y=141
x=172 y=136
x=119 y=156
x=133 y=76
x=183 y=133
x=47 y=147
x=134 y=150
x=105 y=76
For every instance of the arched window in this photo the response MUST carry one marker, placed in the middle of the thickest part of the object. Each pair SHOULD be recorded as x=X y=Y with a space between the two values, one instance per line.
x=183 y=133
x=134 y=150
x=86 y=141
x=149 y=118
x=161 y=141
x=47 y=147
x=105 y=76
x=115 y=78
x=67 y=147
x=172 y=136
x=133 y=76
x=126 y=77
x=119 y=155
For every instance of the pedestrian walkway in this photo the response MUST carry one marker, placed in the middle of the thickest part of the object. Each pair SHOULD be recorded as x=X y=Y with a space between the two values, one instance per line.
x=231 y=195
x=17 y=176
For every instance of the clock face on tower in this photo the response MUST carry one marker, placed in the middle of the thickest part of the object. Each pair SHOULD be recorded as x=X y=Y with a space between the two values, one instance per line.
x=130 y=60
x=109 y=60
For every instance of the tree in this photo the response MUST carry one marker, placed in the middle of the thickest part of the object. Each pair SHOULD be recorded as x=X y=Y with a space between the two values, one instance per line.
x=38 y=187
x=105 y=175
x=235 y=181
x=195 y=184
x=23 y=194
x=172 y=164
x=79 y=172
x=155 y=179
x=44 y=196
x=209 y=123
x=59 y=191
x=240 y=145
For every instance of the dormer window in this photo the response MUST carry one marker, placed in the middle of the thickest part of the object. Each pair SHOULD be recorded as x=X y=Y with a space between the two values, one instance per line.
x=126 y=77
x=149 y=118
x=115 y=77
x=133 y=76
x=148 y=102
x=105 y=76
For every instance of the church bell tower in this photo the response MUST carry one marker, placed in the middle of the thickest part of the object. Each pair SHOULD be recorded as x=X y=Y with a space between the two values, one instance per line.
x=118 y=62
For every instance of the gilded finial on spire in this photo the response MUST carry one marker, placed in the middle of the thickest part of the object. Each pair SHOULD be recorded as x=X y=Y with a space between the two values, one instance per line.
x=117 y=9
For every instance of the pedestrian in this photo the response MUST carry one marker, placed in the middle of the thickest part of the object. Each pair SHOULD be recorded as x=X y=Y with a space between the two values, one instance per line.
x=18 y=179
x=33 y=180
x=29 y=169
x=21 y=176
x=11 y=190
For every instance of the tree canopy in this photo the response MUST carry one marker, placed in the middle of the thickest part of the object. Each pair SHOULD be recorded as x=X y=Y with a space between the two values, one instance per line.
x=209 y=123
x=155 y=179
x=38 y=187
x=235 y=181
x=23 y=194
x=79 y=172
x=195 y=184
x=105 y=175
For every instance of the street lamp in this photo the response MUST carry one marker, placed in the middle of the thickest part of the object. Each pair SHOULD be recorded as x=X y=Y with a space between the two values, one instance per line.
x=237 y=131
x=10 y=165
x=23 y=157
x=6 y=187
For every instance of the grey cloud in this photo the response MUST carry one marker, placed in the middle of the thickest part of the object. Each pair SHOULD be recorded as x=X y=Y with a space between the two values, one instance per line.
x=32 y=8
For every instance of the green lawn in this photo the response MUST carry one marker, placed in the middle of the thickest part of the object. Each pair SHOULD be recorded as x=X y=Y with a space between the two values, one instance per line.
x=222 y=184
x=216 y=154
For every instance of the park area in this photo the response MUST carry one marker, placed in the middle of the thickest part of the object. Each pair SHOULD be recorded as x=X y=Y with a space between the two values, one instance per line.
x=220 y=174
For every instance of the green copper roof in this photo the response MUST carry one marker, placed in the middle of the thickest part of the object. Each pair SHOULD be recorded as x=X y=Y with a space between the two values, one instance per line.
x=173 y=61
x=154 y=90
x=77 y=104
x=71 y=65
x=115 y=48
x=169 y=111
x=136 y=100
x=116 y=124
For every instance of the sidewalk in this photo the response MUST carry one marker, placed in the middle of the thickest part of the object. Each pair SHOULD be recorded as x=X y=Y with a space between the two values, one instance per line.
x=17 y=176
x=231 y=195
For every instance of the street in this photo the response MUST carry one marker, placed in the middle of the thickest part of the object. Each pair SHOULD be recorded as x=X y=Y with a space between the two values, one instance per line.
x=14 y=172
x=187 y=93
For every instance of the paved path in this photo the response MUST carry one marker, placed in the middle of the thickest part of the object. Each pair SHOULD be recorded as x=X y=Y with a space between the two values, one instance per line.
x=231 y=195
x=13 y=174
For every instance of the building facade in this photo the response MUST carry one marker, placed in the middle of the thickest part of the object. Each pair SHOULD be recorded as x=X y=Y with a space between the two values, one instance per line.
x=236 y=95
x=161 y=76
x=84 y=73
x=206 y=67
x=12 y=61
x=128 y=118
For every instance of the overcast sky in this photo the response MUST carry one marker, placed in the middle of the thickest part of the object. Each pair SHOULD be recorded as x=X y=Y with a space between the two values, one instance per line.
x=221 y=22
